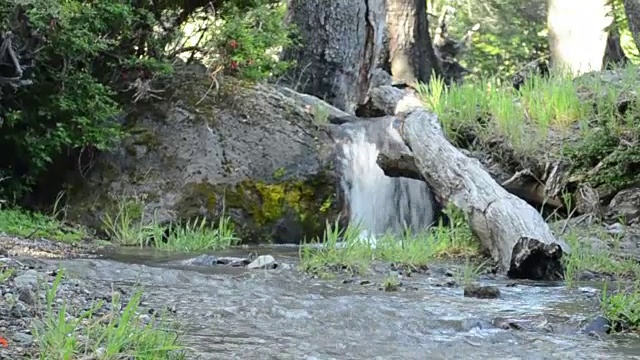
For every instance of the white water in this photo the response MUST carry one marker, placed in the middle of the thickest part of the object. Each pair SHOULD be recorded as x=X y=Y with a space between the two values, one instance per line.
x=380 y=204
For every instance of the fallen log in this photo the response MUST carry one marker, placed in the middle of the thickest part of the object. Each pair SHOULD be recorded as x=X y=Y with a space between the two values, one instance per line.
x=515 y=234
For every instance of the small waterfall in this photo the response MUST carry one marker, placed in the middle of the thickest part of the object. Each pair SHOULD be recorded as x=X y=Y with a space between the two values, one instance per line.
x=378 y=203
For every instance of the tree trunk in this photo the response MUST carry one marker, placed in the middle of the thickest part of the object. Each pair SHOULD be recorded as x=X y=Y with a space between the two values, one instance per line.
x=517 y=236
x=614 y=55
x=577 y=34
x=632 y=10
x=411 y=53
x=340 y=45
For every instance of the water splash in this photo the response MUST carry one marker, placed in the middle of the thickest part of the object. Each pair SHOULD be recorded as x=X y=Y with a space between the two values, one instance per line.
x=377 y=203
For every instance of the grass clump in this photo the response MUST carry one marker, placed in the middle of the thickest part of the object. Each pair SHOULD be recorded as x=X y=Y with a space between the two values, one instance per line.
x=622 y=308
x=391 y=283
x=488 y=109
x=129 y=227
x=602 y=260
x=5 y=273
x=470 y=272
x=349 y=251
x=592 y=121
x=27 y=224
x=117 y=334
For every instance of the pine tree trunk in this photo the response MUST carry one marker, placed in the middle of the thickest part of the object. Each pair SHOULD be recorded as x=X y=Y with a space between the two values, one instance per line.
x=411 y=54
x=577 y=34
x=340 y=45
x=632 y=10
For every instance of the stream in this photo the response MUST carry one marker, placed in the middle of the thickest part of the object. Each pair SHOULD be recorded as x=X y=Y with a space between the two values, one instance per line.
x=235 y=313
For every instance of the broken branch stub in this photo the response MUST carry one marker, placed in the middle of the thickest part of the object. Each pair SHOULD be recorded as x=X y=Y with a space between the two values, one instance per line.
x=515 y=234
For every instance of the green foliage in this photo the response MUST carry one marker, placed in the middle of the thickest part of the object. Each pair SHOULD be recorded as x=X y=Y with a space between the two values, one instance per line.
x=251 y=39
x=585 y=256
x=116 y=333
x=128 y=227
x=71 y=103
x=346 y=250
x=592 y=121
x=622 y=308
x=511 y=33
x=18 y=222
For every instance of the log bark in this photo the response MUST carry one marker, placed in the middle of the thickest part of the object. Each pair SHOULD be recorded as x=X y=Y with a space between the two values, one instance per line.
x=518 y=238
x=340 y=43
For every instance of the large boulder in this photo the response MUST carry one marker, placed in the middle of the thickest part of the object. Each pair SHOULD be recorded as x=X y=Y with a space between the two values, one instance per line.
x=248 y=151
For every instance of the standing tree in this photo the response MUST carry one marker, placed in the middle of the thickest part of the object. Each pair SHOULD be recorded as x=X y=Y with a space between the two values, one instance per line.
x=340 y=43
x=411 y=55
x=632 y=10
x=577 y=34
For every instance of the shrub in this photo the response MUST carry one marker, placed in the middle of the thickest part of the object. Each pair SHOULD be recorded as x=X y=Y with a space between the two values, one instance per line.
x=71 y=53
x=81 y=62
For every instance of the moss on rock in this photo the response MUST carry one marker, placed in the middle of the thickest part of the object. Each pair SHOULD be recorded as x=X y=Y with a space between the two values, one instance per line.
x=257 y=206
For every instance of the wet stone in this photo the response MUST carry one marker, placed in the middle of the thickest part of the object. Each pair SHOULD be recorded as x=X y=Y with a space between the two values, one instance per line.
x=599 y=326
x=202 y=260
x=481 y=292
x=263 y=262
x=233 y=261
x=470 y=324
x=506 y=324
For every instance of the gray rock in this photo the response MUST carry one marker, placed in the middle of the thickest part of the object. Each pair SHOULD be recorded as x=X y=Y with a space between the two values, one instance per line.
x=27 y=280
x=625 y=206
x=250 y=152
x=481 y=292
x=19 y=310
x=27 y=296
x=22 y=338
x=263 y=262
x=202 y=260
x=599 y=326
x=233 y=261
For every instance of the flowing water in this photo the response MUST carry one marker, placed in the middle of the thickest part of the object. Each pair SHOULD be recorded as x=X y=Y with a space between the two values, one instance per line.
x=378 y=203
x=234 y=313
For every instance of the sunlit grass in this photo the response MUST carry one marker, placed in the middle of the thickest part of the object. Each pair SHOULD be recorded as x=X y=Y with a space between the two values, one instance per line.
x=27 y=224
x=622 y=307
x=348 y=250
x=117 y=334
x=128 y=227
x=584 y=257
x=525 y=117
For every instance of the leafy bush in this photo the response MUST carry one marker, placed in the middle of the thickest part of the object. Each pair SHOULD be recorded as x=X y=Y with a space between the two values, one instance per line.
x=252 y=39
x=69 y=52
x=511 y=33
x=242 y=39
x=82 y=61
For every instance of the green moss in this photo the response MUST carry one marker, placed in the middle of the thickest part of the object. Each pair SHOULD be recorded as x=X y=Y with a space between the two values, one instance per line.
x=279 y=173
x=264 y=204
x=197 y=196
x=145 y=137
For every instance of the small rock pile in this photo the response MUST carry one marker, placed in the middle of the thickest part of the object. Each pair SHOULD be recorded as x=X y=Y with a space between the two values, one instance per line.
x=23 y=303
x=24 y=283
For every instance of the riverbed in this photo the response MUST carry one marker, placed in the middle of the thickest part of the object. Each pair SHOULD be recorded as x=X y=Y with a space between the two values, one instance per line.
x=235 y=313
x=228 y=312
